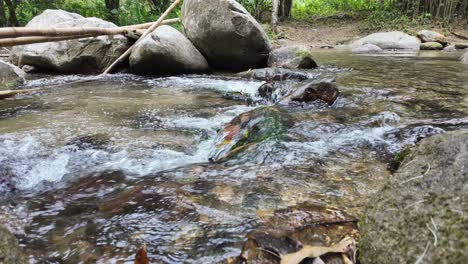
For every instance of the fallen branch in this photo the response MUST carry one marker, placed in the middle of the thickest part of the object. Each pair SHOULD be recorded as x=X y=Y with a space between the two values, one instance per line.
x=147 y=32
x=9 y=42
x=459 y=35
x=147 y=25
x=11 y=93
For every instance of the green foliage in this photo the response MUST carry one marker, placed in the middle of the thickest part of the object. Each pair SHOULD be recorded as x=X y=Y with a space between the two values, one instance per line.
x=257 y=8
x=309 y=9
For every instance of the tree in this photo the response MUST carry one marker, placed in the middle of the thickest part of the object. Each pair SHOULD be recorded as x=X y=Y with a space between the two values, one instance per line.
x=159 y=5
x=3 y=18
x=285 y=7
x=113 y=10
x=12 y=4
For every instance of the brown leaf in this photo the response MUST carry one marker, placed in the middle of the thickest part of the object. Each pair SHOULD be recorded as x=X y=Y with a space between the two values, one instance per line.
x=142 y=256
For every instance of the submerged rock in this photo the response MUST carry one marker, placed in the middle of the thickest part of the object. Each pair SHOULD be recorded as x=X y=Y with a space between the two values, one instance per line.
x=389 y=40
x=432 y=36
x=292 y=57
x=226 y=34
x=278 y=74
x=412 y=135
x=422 y=212
x=285 y=234
x=97 y=141
x=249 y=129
x=324 y=89
x=10 y=252
x=10 y=75
x=166 y=51
x=89 y=55
x=431 y=46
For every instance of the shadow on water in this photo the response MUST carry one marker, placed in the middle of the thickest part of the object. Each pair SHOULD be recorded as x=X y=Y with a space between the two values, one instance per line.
x=91 y=171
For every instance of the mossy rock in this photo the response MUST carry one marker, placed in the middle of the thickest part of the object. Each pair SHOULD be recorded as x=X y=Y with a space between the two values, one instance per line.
x=10 y=252
x=422 y=212
x=10 y=76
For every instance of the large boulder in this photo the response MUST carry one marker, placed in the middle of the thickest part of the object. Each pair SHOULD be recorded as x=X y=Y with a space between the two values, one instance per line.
x=464 y=58
x=228 y=36
x=10 y=252
x=389 y=40
x=10 y=75
x=367 y=48
x=432 y=36
x=421 y=215
x=292 y=57
x=166 y=51
x=89 y=55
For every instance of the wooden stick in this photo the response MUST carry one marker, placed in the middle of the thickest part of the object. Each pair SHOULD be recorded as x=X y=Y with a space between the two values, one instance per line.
x=147 y=32
x=8 y=42
x=16 y=32
x=11 y=93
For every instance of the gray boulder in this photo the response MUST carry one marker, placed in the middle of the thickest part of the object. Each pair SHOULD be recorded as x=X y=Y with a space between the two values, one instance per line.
x=10 y=75
x=292 y=57
x=461 y=46
x=431 y=46
x=421 y=214
x=464 y=58
x=89 y=55
x=389 y=40
x=226 y=34
x=367 y=48
x=432 y=36
x=10 y=252
x=166 y=51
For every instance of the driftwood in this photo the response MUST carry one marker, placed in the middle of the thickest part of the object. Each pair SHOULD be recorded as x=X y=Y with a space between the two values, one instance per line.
x=147 y=32
x=11 y=93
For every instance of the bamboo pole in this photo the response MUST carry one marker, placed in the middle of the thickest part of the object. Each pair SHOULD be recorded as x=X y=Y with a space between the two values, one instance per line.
x=9 y=42
x=147 y=32
x=16 y=32
x=11 y=93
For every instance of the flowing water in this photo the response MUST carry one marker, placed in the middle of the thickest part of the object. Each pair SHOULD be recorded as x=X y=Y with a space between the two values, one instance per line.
x=92 y=170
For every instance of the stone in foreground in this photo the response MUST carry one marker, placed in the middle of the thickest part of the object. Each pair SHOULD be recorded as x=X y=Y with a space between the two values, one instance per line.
x=432 y=36
x=10 y=75
x=421 y=214
x=324 y=89
x=226 y=34
x=292 y=57
x=389 y=40
x=89 y=55
x=431 y=46
x=10 y=252
x=166 y=51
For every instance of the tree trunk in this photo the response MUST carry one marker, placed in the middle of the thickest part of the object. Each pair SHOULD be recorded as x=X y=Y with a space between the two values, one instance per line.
x=274 y=14
x=113 y=8
x=285 y=8
x=3 y=19
x=12 y=12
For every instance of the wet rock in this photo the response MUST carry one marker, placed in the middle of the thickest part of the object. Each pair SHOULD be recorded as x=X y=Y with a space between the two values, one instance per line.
x=389 y=40
x=89 y=55
x=461 y=46
x=432 y=36
x=226 y=34
x=431 y=46
x=166 y=51
x=324 y=89
x=274 y=91
x=97 y=141
x=412 y=135
x=10 y=252
x=292 y=57
x=421 y=213
x=10 y=75
x=29 y=69
x=290 y=230
x=464 y=58
x=249 y=129
x=450 y=48
x=278 y=74
x=367 y=48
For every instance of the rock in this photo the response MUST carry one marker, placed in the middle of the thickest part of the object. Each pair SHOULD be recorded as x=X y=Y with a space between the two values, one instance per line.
x=464 y=58
x=432 y=36
x=287 y=231
x=422 y=211
x=10 y=75
x=412 y=135
x=311 y=90
x=274 y=91
x=226 y=34
x=278 y=74
x=450 y=48
x=97 y=141
x=249 y=129
x=292 y=57
x=166 y=51
x=431 y=46
x=10 y=252
x=367 y=48
x=89 y=55
x=29 y=69
x=461 y=46
x=389 y=40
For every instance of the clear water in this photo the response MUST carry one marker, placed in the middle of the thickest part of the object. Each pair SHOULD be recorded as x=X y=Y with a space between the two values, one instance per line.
x=147 y=180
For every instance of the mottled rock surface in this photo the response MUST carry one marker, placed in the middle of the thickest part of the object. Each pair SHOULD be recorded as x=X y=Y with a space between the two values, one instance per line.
x=292 y=57
x=10 y=75
x=389 y=40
